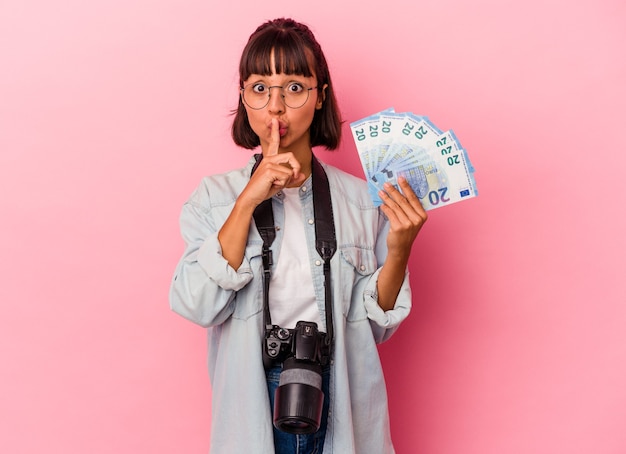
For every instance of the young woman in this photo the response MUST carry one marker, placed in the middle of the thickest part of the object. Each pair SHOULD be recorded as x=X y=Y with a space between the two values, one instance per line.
x=349 y=301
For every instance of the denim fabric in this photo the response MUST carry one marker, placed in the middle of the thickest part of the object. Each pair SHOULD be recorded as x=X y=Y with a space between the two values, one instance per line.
x=229 y=302
x=286 y=443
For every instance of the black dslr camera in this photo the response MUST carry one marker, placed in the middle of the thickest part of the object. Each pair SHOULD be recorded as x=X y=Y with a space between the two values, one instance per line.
x=299 y=397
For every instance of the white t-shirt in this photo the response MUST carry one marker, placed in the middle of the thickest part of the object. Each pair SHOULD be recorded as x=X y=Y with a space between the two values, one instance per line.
x=292 y=297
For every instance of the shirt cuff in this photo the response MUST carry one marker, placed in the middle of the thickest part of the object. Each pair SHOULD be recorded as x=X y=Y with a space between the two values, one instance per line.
x=393 y=317
x=217 y=268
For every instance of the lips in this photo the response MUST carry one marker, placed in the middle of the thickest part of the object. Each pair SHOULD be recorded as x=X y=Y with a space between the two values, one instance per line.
x=282 y=128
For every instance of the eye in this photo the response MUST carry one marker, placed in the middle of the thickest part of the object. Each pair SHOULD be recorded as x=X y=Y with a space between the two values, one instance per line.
x=294 y=88
x=259 y=89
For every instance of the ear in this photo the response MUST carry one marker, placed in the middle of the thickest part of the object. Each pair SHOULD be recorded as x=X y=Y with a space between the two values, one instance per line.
x=321 y=97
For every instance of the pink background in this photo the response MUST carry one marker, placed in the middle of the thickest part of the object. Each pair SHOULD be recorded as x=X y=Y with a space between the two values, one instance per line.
x=110 y=113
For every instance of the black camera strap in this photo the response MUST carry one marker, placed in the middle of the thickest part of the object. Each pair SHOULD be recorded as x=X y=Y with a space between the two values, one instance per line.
x=325 y=240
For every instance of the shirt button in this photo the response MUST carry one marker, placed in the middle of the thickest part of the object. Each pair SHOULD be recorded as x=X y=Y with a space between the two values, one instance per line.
x=318 y=262
x=311 y=221
x=303 y=188
x=362 y=267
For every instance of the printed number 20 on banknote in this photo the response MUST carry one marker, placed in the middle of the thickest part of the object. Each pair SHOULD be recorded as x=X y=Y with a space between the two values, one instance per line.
x=434 y=163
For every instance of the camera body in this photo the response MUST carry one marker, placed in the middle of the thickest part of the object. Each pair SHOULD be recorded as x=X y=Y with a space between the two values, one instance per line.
x=299 y=398
x=304 y=343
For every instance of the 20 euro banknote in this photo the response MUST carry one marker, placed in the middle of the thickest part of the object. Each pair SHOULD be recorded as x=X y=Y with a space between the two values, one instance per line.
x=392 y=145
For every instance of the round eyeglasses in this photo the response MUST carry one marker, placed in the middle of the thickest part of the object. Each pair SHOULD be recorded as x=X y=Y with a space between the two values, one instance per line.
x=257 y=95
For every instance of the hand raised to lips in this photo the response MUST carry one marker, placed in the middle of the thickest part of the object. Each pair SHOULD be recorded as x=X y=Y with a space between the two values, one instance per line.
x=274 y=138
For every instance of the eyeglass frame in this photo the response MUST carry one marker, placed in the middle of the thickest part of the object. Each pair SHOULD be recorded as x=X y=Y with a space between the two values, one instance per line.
x=269 y=95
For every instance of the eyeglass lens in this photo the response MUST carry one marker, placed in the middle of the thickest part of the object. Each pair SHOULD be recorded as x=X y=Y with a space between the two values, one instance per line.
x=257 y=96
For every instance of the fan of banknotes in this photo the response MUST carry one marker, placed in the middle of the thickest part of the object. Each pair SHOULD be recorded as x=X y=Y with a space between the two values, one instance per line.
x=392 y=144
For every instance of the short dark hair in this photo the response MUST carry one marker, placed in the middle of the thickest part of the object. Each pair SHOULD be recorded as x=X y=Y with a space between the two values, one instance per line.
x=291 y=42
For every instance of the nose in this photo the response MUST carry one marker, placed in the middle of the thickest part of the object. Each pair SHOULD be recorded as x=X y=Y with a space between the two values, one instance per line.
x=276 y=102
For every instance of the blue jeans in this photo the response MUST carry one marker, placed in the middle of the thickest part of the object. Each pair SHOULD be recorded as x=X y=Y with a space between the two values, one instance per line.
x=286 y=443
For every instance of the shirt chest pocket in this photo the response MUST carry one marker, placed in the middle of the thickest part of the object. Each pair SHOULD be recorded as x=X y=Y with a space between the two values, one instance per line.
x=357 y=265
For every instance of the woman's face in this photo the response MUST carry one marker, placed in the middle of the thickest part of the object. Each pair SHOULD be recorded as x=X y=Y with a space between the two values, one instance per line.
x=294 y=124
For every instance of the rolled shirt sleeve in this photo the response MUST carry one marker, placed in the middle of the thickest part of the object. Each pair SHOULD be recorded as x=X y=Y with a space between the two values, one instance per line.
x=385 y=323
x=204 y=284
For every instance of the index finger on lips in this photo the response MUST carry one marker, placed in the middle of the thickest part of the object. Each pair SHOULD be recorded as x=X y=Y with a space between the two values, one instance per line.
x=274 y=139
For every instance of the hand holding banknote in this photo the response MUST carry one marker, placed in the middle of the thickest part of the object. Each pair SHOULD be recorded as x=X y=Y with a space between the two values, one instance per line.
x=405 y=213
x=406 y=217
x=393 y=145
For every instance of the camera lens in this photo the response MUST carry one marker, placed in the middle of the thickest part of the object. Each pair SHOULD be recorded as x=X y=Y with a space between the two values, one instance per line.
x=299 y=398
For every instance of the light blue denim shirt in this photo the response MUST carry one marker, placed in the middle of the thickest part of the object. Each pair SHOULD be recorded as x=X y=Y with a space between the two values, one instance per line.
x=229 y=302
